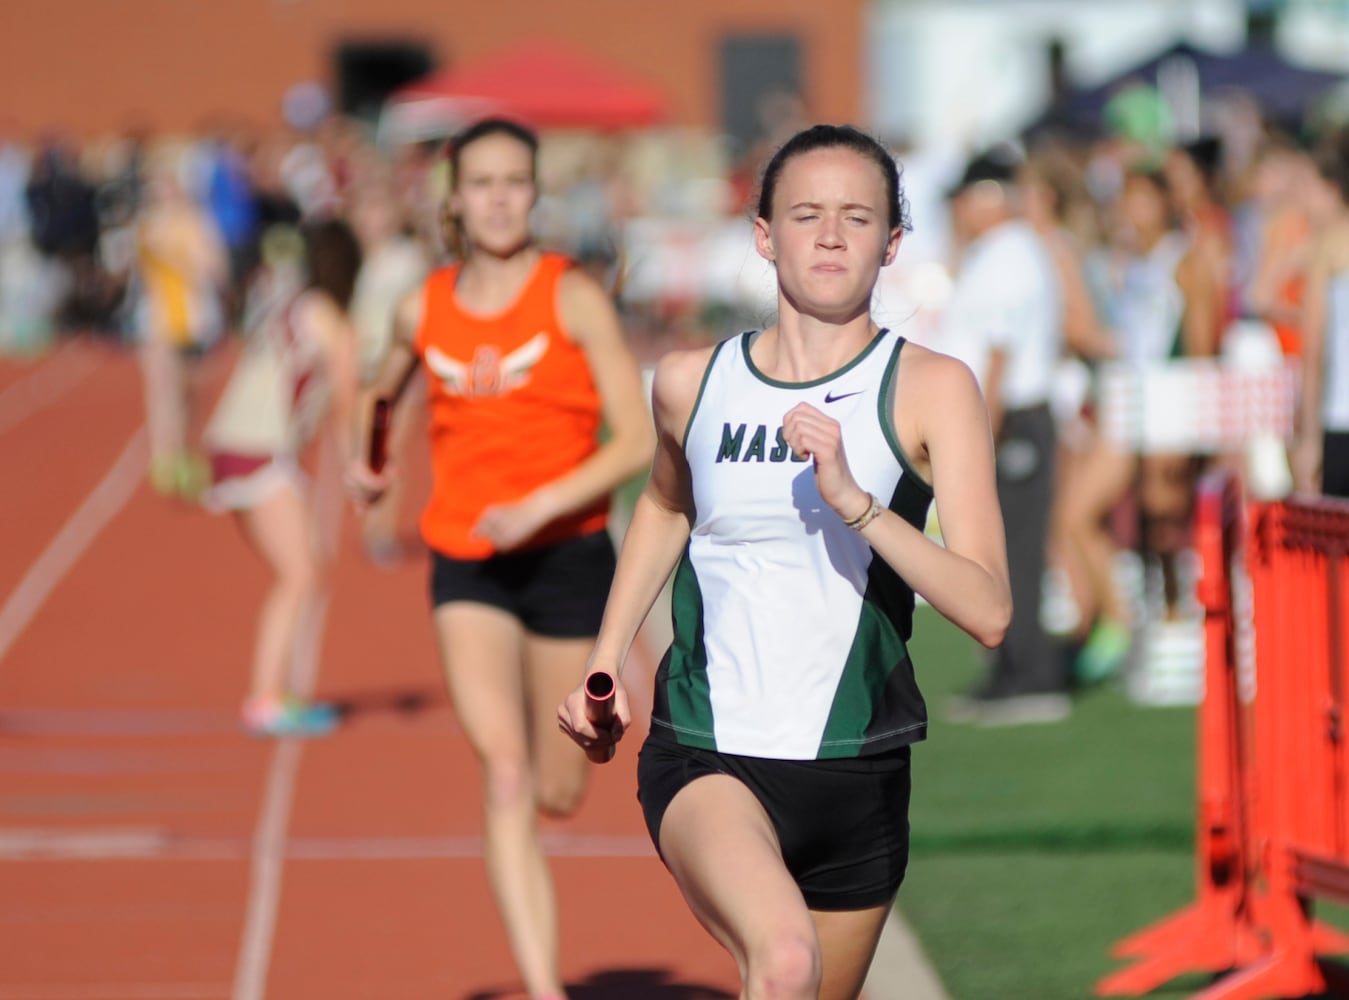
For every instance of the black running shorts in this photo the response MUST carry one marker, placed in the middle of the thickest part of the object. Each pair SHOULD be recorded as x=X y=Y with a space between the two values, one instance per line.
x=1335 y=464
x=557 y=591
x=843 y=824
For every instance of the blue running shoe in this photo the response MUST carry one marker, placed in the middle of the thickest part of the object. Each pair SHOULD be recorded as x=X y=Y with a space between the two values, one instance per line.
x=1104 y=652
x=288 y=716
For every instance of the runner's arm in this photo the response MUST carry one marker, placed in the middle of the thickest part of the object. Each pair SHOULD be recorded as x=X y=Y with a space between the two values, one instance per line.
x=1306 y=456
x=1199 y=325
x=1082 y=329
x=400 y=364
x=661 y=518
x=965 y=578
x=656 y=536
x=337 y=340
x=400 y=361
x=591 y=320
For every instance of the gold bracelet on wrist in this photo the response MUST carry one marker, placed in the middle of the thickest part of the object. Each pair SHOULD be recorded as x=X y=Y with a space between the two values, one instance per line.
x=866 y=517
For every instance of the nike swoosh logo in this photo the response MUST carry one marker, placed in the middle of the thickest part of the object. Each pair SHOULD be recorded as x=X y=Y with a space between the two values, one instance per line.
x=830 y=398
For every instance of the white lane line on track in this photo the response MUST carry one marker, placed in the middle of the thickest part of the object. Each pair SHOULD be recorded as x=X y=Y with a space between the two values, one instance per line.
x=89 y=843
x=264 y=888
x=71 y=542
x=270 y=837
x=133 y=722
x=41 y=388
x=154 y=844
x=137 y=722
x=900 y=969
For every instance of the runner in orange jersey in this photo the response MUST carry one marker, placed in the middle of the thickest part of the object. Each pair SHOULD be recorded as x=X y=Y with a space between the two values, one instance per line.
x=524 y=360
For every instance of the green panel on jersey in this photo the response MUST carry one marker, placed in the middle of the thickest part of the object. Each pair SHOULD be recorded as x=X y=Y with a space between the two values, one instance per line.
x=877 y=675
x=687 y=693
x=876 y=652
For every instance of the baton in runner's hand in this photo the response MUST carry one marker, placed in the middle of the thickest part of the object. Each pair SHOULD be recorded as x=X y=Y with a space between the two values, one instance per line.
x=379 y=435
x=600 y=688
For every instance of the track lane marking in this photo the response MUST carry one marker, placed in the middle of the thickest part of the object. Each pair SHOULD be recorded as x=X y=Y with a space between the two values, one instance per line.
x=39 y=389
x=70 y=543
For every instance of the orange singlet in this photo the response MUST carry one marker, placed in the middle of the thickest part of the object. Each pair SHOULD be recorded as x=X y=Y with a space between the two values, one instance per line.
x=513 y=406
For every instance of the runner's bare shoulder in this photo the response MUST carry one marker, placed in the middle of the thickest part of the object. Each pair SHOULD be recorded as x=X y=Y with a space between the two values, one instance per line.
x=674 y=391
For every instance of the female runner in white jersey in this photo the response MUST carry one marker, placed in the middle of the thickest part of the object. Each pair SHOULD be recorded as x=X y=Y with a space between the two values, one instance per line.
x=792 y=476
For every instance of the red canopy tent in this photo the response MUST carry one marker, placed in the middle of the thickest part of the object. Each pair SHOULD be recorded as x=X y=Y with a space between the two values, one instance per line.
x=541 y=83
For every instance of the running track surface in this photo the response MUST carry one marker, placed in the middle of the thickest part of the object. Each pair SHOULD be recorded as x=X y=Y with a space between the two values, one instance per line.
x=150 y=851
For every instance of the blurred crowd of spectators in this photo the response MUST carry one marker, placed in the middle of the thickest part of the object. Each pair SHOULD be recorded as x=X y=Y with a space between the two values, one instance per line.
x=70 y=212
x=1180 y=258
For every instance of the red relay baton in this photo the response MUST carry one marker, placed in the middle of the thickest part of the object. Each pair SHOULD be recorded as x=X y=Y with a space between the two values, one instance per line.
x=600 y=689
x=379 y=435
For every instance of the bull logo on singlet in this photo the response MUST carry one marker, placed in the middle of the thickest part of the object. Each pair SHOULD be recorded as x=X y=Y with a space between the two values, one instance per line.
x=488 y=372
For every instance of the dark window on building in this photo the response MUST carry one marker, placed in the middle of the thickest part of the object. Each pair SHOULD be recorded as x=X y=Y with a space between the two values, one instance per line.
x=756 y=71
x=368 y=72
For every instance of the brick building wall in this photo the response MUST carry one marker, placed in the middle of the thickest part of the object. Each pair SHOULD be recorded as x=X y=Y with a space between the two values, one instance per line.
x=93 y=67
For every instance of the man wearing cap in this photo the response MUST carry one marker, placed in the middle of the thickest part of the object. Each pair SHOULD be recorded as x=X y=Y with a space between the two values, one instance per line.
x=1005 y=320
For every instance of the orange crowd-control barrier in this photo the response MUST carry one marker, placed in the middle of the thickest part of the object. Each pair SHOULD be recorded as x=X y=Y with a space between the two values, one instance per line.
x=1272 y=824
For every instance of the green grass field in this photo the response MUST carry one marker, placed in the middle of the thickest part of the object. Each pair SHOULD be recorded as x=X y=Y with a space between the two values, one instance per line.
x=1034 y=848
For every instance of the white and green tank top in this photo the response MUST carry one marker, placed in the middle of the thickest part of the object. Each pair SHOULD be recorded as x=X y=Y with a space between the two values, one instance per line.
x=789 y=632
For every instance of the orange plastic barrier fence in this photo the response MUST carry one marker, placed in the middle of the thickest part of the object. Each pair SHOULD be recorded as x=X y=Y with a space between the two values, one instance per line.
x=1272 y=783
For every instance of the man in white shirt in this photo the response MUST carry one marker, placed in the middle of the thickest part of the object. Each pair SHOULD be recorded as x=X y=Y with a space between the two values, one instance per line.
x=1005 y=320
